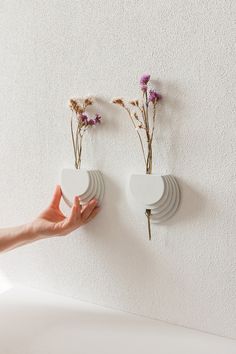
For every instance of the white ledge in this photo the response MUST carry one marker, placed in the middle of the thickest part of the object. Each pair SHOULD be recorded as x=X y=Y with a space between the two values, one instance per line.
x=35 y=322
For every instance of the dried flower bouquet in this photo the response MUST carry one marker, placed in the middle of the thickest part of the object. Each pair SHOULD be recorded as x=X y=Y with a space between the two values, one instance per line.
x=80 y=122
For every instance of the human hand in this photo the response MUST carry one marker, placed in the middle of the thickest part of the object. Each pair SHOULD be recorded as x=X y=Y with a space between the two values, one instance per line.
x=52 y=222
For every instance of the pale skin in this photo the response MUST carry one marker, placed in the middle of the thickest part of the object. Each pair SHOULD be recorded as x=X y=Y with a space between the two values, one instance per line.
x=50 y=223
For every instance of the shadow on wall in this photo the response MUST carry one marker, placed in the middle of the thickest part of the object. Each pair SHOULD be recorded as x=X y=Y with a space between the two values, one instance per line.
x=109 y=125
x=116 y=244
x=123 y=246
x=168 y=135
x=169 y=124
x=192 y=204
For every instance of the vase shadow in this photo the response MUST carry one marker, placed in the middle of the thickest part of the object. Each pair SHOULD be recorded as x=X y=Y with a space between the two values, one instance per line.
x=170 y=121
x=118 y=243
x=192 y=204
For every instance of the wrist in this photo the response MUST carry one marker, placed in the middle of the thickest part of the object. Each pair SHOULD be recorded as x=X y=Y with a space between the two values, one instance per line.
x=37 y=230
x=16 y=236
x=28 y=232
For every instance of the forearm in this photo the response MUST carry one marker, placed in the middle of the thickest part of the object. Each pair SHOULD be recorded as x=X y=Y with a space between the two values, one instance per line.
x=16 y=236
x=50 y=223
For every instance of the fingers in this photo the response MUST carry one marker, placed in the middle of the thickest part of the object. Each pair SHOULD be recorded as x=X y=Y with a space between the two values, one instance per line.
x=75 y=211
x=56 y=197
x=78 y=216
x=88 y=209
x=92 y=215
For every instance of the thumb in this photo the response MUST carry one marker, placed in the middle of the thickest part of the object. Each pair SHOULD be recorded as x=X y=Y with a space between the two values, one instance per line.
x=55 y=202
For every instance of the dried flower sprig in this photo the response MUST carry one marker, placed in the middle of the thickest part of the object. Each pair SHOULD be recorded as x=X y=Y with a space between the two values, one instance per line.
x=80 y=122
x=142 y=113
x=143 y=117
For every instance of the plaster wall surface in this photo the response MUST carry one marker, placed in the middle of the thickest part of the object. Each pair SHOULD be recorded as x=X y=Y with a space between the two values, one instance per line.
x=54 y=50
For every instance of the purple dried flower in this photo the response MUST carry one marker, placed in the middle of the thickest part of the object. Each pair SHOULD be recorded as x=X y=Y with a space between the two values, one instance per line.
x=91 y=122
x=97 y=119
x=154 y=96
x=84 y=118
x=144 y=79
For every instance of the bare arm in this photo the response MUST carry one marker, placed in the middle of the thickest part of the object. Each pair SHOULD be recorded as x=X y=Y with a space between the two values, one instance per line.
x=51 y=222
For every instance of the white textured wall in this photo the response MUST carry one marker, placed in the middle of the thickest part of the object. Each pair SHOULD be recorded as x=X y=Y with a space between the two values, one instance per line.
x=52 y=50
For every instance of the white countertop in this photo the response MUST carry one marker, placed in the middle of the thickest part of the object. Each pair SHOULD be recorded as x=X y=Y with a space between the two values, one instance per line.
x=35 y=322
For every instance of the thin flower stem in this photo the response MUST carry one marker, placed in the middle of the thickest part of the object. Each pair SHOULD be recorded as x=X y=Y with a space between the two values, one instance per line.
x=138 y=120
x=149 y=141
x=78 y=129
x=141 y=111
x=144 y=116
x=154 y=120
x=140 y=138
x=146 y=103
x=72 y=137
x=148 y=215
x=80 y=150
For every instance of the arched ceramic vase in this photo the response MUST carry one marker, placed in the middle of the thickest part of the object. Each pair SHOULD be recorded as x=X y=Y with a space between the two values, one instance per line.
x=160 y=194
x=87 y=184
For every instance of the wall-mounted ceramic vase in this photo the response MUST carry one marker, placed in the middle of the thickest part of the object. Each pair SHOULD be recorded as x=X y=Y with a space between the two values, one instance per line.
x=160 y=194
x=87 y=184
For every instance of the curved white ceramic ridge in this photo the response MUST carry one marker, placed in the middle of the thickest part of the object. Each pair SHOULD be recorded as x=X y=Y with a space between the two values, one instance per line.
x=160 y=194
x=87 y=184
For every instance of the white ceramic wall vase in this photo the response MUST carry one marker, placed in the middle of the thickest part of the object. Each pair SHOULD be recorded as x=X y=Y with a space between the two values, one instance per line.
x=87 y=184
x=160 y=194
